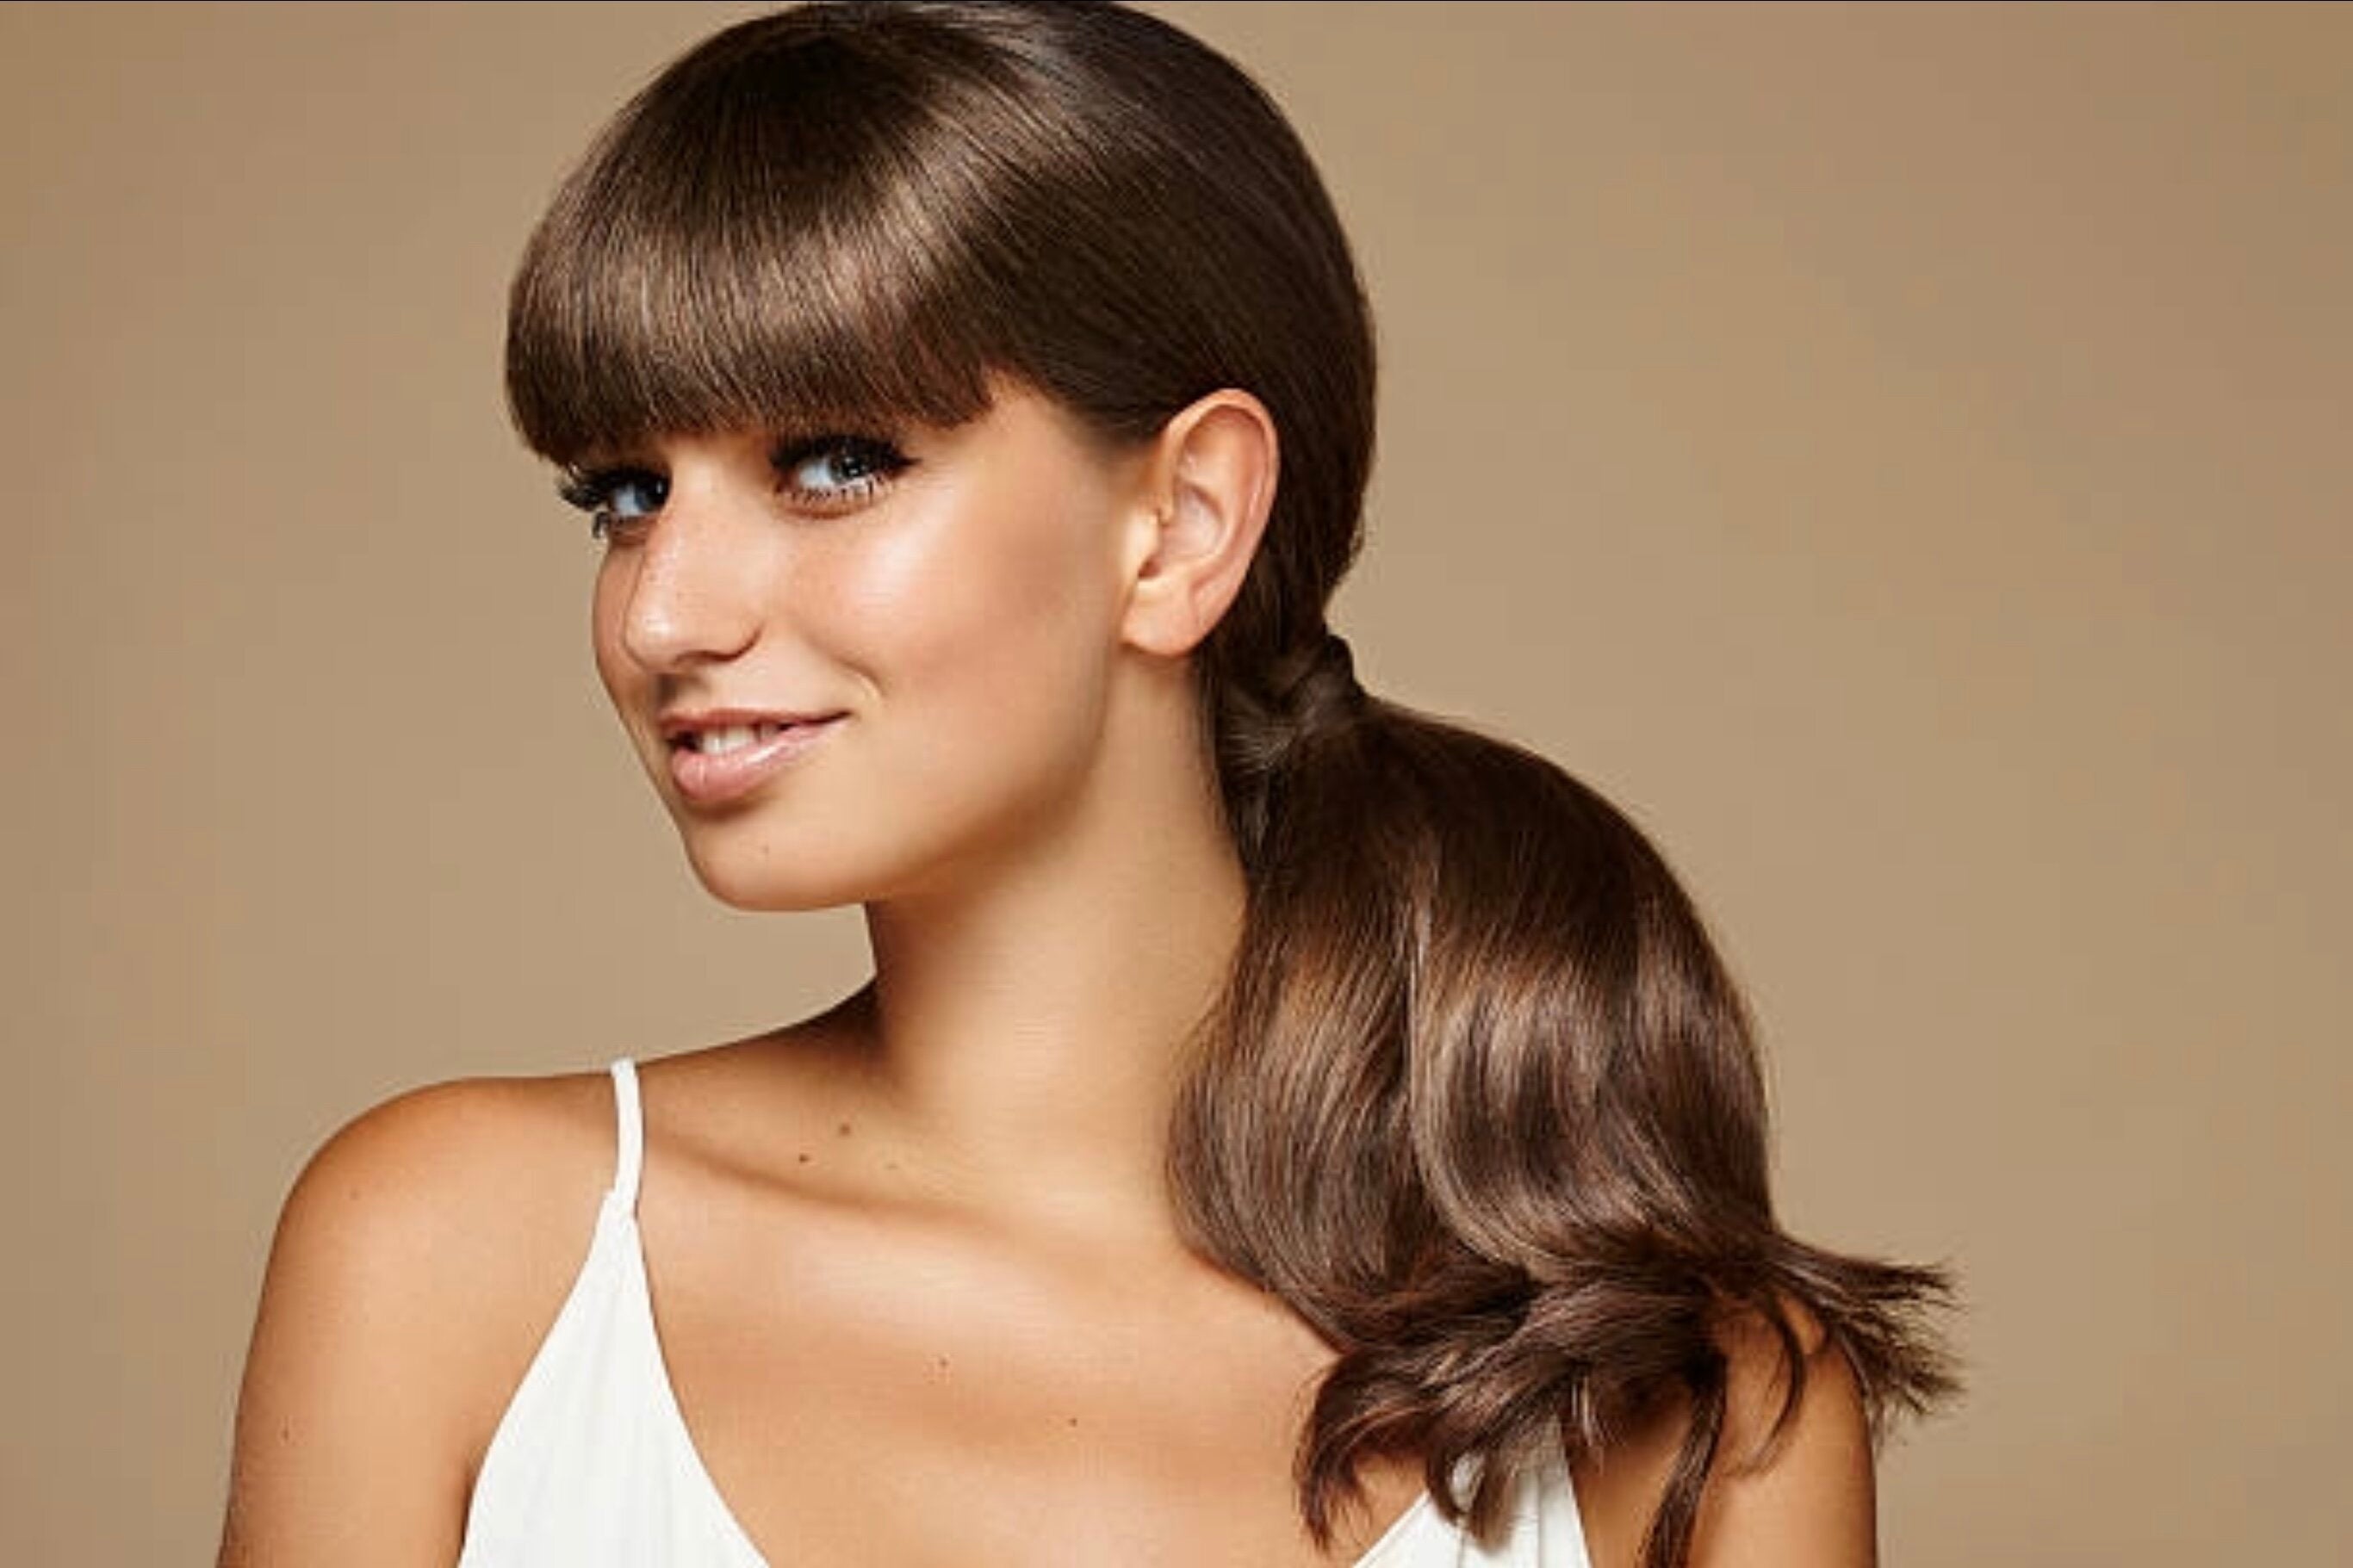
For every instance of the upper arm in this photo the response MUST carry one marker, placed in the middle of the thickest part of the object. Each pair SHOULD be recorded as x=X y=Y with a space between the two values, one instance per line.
x=1810 y=1504
x=1811 y=1501
x=386 y=1326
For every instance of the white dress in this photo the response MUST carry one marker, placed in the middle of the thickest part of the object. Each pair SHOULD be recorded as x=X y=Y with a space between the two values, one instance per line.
x=592 y=1465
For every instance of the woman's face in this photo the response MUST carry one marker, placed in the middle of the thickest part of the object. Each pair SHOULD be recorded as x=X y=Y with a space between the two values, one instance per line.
x=860 y=664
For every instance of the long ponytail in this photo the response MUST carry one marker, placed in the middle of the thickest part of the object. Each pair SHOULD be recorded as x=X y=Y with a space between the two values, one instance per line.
x=1481 y=1102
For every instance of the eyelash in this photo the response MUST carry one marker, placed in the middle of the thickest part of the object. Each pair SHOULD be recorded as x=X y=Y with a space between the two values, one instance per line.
x=597 y=492
x=876 y=461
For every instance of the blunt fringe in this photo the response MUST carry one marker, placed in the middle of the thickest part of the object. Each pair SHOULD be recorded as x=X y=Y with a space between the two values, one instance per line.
x=1479 y=1100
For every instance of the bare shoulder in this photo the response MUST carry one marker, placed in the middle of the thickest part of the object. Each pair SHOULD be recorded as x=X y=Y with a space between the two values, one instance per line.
x=434 y=1191
x=726 y=1111
x=421 y=1253
x=1803 y=1495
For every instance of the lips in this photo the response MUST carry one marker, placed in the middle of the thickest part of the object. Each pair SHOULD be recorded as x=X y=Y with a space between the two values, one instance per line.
x=719 y=756
x=694 y=727
x=718 y=740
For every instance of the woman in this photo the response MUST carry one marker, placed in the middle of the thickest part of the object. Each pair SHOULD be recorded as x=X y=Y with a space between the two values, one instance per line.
x=1281 y=1128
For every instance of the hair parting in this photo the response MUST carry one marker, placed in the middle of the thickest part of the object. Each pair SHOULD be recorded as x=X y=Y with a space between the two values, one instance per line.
x=1479 y=1100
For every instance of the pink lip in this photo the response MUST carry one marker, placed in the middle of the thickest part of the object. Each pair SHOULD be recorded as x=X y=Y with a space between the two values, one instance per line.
x=676 y=723
x=715 y=781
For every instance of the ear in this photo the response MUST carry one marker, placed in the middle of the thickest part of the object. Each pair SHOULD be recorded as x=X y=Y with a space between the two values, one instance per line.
x=1208 y=485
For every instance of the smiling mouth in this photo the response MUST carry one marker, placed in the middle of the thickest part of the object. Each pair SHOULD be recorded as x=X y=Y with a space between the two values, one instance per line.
x=716 y=731
x=722 y=759
x=720 y=741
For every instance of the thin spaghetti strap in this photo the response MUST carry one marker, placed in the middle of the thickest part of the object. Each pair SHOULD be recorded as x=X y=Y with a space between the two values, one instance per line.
x=631 y=1127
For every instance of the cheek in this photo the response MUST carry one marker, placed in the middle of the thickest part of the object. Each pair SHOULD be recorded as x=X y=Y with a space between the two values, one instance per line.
x=990 y=618
x=603 y=598
x=605 y=602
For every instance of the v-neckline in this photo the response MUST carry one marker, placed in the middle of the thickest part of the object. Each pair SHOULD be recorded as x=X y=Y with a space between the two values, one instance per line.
x=1398 y=1530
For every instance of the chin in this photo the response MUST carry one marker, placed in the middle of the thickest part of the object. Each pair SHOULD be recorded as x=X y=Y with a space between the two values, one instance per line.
x=760 y=878
x=768 y=893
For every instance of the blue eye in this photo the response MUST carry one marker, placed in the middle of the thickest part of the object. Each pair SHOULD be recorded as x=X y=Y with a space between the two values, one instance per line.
x=826 y=472
x=614 y=497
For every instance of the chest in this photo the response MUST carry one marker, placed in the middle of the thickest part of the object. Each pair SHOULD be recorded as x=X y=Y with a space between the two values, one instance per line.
x=934 y=1401
x=599 y=1462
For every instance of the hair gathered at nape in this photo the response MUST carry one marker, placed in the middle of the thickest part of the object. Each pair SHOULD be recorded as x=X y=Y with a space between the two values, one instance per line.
x=1478 y=1100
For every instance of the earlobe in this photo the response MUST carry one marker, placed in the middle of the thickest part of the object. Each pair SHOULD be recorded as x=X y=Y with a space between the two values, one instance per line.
x=1211 y=487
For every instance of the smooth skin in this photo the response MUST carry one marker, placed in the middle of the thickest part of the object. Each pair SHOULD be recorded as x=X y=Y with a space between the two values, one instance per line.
x=918 y=1282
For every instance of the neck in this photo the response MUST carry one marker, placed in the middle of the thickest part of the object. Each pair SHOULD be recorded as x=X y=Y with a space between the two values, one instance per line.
x=1030 y=1023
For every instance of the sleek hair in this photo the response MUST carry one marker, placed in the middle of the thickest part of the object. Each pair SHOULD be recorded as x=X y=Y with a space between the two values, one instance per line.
x=1479 y=1100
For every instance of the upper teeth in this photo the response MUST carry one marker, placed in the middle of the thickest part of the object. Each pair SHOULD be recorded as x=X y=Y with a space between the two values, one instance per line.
x=734 y=737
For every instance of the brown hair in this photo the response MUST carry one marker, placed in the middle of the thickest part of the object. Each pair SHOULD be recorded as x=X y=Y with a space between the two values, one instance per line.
x=1479 y=1100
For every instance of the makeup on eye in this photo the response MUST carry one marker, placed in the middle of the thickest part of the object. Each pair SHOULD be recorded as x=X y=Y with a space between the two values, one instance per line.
x=613 y=496
x=836 y=470
x=826 y=473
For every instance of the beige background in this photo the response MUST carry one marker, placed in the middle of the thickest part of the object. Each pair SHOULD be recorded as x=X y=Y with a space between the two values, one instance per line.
x=1900 y=455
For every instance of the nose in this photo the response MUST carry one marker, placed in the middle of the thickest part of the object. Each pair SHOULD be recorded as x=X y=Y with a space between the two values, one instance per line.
x=692 y=596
